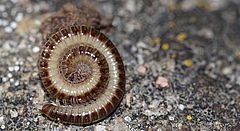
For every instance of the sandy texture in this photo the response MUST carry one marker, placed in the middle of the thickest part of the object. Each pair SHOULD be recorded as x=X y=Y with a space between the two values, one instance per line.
x=182 y=62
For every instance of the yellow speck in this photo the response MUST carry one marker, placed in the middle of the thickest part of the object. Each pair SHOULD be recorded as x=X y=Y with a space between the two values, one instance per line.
x=165 y=46
x=182 y=36
x=154 y=41
x=149 y=40
x=237 y=53
x=189 y=117
x=173 y=55
x=157 y=40
x=188 y=62
x=172 y=6
x=171 y=24
x=204 y=4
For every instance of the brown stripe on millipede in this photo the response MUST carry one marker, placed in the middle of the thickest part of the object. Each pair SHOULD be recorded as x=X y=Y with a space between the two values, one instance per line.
x=82 y=68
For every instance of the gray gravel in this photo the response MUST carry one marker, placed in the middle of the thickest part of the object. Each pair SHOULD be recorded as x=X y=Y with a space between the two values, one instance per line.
x=193 y=45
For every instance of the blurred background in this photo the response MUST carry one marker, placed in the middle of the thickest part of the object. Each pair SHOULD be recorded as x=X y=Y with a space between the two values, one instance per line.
x=182 y=62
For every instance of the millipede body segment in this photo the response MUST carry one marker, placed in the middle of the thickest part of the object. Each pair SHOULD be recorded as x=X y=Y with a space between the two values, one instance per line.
x=81 y=67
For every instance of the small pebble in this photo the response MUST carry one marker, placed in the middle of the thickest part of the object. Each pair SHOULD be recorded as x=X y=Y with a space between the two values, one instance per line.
x=9 y=75
x=141 y=70
x=3 y=22
x=217 y=125
x=133 y=49
x=20 y=62
x=8 y=29
x=11 y=80
x=13 y=114
x=206 y=32
x=148 y=112
x=140 y=59
x=141 y=44
x=4 y=14
x=16 y=68
x=13 y=24
x=130 y=26
x=17 y=62
x=157 y=112
x=19 y=17
x=154 y=104
x=188 y=5
x=3 y=126
x=228 y=85
x=181 y=106
x=55 y=128
x=227 y=70
x=131 y=5
x=171 y=118
x=145 y=82
x=1 y=119
x=10 y=68
x=127 y=119
x=16 y=83
x=36 y=49
x=2 y=8
x=119 y=125
x=14 y=1
x=162 y=82
x=171 y=65
x=32 y=39
x=100 y=128
x=4 y=79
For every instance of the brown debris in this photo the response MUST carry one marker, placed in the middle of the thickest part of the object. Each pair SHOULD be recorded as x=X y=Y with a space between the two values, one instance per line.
x=71 y=14
x=27 y=25
x=128 y=97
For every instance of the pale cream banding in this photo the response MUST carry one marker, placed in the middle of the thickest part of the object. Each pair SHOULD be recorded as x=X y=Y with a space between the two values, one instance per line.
x=105 y=64
x=73 y=89
x=85 y=39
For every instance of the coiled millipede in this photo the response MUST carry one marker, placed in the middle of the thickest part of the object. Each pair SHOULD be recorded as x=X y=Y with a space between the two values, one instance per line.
x=82 y=68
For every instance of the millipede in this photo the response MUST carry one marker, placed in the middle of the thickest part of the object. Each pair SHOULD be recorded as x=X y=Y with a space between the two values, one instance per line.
x=82 y=68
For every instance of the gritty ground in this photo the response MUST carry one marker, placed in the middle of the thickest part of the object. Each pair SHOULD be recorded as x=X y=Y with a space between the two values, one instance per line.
x=182 y=61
